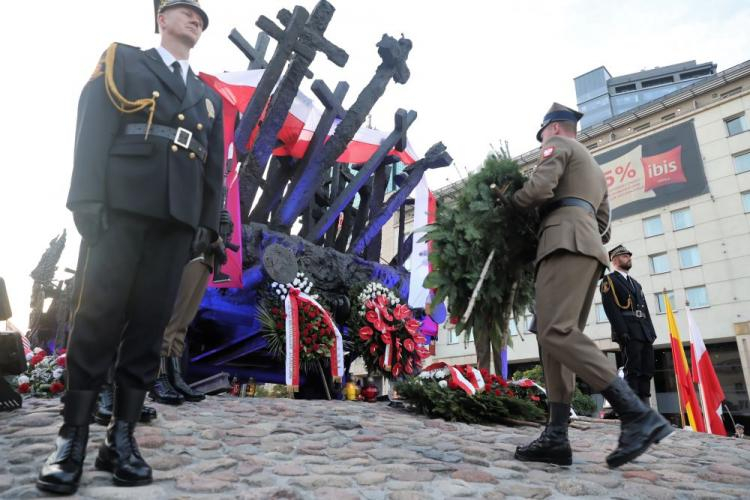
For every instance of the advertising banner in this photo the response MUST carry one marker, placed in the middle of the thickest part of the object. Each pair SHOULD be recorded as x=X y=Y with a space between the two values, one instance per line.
x=654 y=171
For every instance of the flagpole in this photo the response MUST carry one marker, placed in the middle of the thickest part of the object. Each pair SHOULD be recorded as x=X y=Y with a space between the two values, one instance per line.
x=674 y=368
x=688 y=313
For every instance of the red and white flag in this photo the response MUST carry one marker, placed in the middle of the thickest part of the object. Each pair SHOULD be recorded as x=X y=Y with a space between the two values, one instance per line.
x=425 y=208
x=712 y=394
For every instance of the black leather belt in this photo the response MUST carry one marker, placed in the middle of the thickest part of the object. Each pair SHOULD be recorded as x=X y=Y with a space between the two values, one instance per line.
x=635 y=314
x=182 y=137
x=566 y=202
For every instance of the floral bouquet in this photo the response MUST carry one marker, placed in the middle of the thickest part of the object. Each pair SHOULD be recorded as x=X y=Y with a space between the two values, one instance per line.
x=45 y=376
x=464 y=393
x=300 y=330
x=388 y=337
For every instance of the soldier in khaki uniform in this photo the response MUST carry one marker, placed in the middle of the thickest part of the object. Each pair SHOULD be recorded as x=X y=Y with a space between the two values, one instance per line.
x=570 y=191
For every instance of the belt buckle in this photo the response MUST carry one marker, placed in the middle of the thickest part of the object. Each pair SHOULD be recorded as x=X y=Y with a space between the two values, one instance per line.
x=183 y=137
x=639 y=314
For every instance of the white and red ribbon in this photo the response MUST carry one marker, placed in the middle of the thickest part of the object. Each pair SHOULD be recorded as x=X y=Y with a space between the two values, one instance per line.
x=458 y=377
x=291 y=306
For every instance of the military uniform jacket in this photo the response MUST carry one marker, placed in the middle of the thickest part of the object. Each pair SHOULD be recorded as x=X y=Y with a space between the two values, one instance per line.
x=626 y=309
x=149 y=176
x=567 y=169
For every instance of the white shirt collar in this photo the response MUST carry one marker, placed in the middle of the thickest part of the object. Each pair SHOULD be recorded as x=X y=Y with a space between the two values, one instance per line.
x=168 y=59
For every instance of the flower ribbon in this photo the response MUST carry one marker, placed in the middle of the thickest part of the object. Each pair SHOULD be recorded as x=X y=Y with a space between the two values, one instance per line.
x=292 y=302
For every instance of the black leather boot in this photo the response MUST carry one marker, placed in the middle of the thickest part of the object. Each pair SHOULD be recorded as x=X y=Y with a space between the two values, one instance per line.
x=119 y=453
x=640 y=426
x=174 y=369
x=61 y=473
x=103 y=413
x=552 y=446
x=162 y=391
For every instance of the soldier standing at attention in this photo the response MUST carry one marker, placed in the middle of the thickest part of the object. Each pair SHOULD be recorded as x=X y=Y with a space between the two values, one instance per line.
x=146 y=182
x=632 y=329
x=570 y=191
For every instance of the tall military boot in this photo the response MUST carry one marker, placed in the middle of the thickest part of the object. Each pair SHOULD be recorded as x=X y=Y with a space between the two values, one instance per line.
x=162 y=391
x=640 y=426
x=174 y=369
x=103 y=413
x=552 y=446
x=61 y=473
x=119 y=453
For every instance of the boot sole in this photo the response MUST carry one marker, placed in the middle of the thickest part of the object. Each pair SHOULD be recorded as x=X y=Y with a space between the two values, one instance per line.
x=64 y=489
x=658 y=435
x=561 y=461
x=163 y=401
x=105 y=466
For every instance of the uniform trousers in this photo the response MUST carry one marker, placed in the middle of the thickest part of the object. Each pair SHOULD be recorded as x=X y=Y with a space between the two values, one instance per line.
x=126 y=287
x=639 y=366
x=565 y=286
x=189 y=295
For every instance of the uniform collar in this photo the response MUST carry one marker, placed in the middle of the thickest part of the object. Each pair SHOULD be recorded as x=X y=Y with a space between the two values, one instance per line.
x=623 y=273
x=168 y=59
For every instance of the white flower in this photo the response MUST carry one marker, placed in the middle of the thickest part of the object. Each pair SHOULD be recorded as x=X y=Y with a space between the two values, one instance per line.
x=278 y=292
x=37 y=350
x=296 y=282
x=29 y=356
x=57 y=373
x=274 y=284
x=443 y=384
x=23 y=379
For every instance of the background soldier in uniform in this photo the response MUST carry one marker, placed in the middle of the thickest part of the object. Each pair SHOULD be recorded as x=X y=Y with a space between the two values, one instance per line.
x=570 y=191
x=632 y=329
x=146 y=181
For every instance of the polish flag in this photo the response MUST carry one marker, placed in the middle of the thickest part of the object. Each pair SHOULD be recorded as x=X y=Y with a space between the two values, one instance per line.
x=425 y=208
x=703 y=373
x=238 y=87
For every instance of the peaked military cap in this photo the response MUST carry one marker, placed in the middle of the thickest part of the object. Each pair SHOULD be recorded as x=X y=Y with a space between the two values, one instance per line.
x=558 y=113
x=162 y=5
x=619 y=250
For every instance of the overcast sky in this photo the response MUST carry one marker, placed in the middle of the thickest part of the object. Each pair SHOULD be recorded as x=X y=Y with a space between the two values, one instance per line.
x=481 y=72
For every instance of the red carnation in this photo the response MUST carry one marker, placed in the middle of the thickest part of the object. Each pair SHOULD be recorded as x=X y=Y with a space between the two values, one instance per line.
x=534 y=397
x=24 y=388
x=454 y=320
x=497 y=392
x=526 y=383
x=401 y=311
x=62 y=351
x=316 y=347
x=386 y=338
x=56 y=387
x=61 y=360
x=511 y=394
x=307 y=340
x=371 y=316
x=37 y=358
x=279 y=325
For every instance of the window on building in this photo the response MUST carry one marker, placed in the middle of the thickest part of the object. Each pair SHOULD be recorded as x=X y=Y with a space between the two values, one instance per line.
x=736 y=124
x=456 y=339
x=601 y=315
x=643 y=126
x=746 y=201
x=689 y=257
x=652 y=226
x=661 y=307
x=625 y=88
x=697 y=296
x=659 y=263
x=682 y=219
x=657 y=81
x=742 y=162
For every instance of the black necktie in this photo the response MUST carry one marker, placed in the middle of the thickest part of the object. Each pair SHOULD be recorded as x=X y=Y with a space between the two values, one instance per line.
x=631 y=284
x=177 y=70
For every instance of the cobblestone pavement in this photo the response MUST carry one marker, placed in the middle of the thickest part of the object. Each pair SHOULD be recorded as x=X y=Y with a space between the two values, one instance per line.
x=276 y=448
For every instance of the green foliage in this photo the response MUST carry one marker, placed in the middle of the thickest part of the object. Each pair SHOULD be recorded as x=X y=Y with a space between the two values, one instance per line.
x=428 y=398
x=582 y=404
x=464 y=234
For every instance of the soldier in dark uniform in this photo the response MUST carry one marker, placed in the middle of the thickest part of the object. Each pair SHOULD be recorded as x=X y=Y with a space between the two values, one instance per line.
x=146 y=183
x=570 y=191
x=632 y=329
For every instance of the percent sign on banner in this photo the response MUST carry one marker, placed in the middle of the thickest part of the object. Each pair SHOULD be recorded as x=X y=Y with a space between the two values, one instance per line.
x=626 y=179
x=621 y=171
